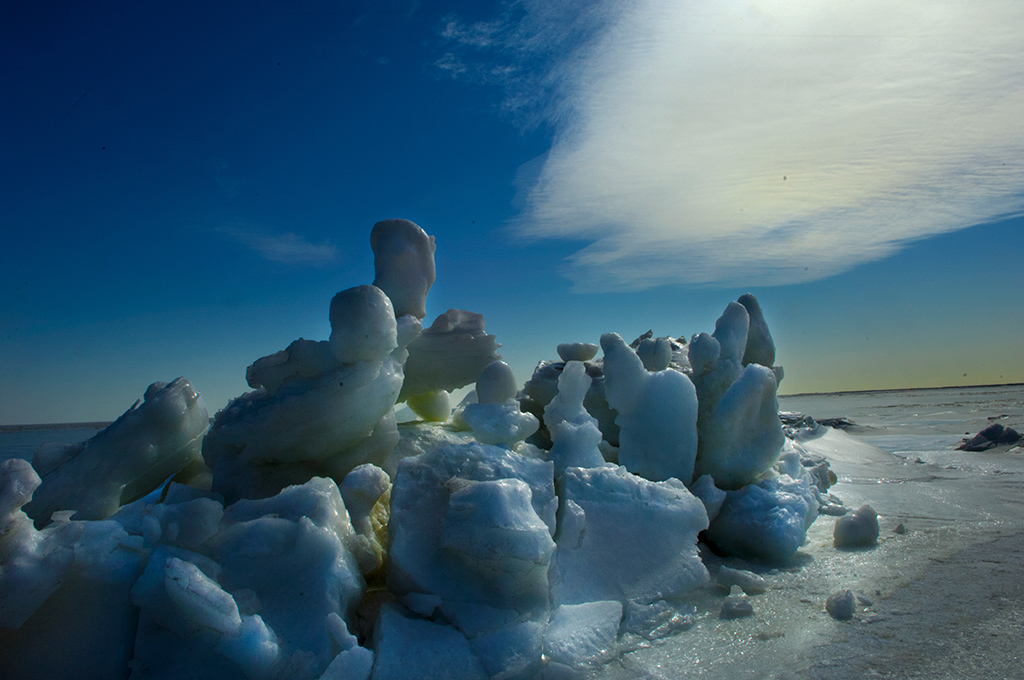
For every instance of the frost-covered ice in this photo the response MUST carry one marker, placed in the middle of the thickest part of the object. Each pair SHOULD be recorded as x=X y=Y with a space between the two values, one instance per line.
x=638 y=513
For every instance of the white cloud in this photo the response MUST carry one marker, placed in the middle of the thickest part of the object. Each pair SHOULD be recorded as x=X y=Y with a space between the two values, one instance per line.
x=284 y=247
x=752 y=143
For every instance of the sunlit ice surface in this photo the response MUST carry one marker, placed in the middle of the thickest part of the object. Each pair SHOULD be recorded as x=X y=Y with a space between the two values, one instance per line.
x=902 y=460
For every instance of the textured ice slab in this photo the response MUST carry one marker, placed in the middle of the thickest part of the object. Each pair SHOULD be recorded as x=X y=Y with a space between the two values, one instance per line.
x=625 y=538
x=657 y=414
x=403 y=262
x=152 y=440
x=470 y=532
x=448 y=355
x=767 y=520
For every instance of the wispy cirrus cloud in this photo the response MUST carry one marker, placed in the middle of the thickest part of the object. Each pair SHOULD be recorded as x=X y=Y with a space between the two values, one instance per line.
x=285 y=247
x=757 y=143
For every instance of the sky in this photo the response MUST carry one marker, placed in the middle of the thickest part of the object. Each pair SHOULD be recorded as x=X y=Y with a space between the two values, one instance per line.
x=185 y=186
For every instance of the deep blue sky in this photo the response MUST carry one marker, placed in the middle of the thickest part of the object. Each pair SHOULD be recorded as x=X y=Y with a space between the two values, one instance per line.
x=183 y=189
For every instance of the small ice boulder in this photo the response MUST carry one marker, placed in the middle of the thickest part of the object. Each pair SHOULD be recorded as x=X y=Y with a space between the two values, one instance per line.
x=624 y=538
x=856 y=529
x=363 y=325
x=736 y=605
x=403 y=262
x=657 y=414
x=151 y=441
x=840 y=605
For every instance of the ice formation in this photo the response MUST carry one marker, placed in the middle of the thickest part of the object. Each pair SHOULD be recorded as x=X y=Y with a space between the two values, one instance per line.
x=527 y=534
x=154 y=439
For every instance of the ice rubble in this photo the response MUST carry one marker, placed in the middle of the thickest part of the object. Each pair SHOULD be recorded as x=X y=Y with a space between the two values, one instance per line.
x=529 y=534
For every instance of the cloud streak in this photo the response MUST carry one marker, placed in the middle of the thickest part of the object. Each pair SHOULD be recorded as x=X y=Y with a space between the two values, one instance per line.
x=284 y=247
x=760 y=143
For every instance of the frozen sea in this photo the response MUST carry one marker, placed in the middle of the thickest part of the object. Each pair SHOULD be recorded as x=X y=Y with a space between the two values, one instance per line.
x=942 y=593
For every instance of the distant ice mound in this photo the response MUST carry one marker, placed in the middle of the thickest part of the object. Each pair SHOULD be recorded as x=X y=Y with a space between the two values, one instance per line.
x=534 y=532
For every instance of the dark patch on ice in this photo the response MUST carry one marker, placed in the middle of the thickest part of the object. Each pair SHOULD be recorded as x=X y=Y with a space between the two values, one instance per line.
x=991 y=437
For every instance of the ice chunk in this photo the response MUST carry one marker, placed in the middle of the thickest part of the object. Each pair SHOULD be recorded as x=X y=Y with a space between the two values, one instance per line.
x=743 y=435
x=577 y=351
x=574 y=432
x=190 y=624
x=625 y=538
x=731 y=331
x=431 y=406
x=497 y=424
x=292 y=552
x=127 y=460
x=768 y=520
x=512 y=653
x=410 y=647
x=655 y=353
x=857 y=529
x=472 y=525
x=403 y=262
x=542 y=387
x=32 y=563
x=416 y=438
x=760 y=348
x=710 y=495
x=747 y=581
x=496 y=384
x=736 y=606
x=87 y=625
x=657 y=414
x=363 y=326
x=584 y=635
x=323 y=425
x=840 y=605
x=495 y=418
x=302 y=359
x=448 y=355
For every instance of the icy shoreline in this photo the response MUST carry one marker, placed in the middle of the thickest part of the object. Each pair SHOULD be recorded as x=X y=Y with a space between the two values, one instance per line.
x=918 y=583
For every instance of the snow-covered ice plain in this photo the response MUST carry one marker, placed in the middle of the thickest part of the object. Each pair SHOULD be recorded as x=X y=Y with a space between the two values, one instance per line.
x=542 y=530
